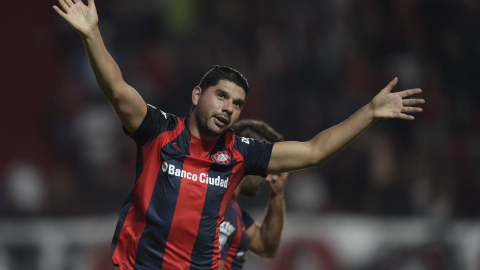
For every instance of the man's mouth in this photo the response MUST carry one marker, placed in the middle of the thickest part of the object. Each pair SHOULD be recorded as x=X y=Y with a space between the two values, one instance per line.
x=221 y=121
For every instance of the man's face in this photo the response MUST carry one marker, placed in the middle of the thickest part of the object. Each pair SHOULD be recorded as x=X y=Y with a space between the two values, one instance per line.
x=251 y=184
x=219 y=107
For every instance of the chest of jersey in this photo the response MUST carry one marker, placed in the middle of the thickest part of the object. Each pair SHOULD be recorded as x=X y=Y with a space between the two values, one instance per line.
x=183 y=187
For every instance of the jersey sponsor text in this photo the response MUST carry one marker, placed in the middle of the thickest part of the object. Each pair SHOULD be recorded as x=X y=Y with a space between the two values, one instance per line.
x=202 y=178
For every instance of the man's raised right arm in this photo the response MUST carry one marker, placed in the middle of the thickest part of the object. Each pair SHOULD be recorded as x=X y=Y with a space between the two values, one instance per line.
x=127 y=103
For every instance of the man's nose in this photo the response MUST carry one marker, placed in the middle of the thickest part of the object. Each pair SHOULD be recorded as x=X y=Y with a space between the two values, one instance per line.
x=228 y=106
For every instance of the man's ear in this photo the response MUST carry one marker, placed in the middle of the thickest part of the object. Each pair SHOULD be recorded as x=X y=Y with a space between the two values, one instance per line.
x=196 y=94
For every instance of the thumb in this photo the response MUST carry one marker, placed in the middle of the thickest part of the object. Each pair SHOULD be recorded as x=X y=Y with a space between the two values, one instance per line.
x=389 y=87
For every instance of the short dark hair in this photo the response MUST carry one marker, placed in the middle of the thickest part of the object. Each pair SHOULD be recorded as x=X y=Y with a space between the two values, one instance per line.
x=218 y=73
x=256 y=129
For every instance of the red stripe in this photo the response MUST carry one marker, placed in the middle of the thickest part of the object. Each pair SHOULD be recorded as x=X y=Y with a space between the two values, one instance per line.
x=132 y=229
x=238 y=209
x=237 y=172
x=191 y=199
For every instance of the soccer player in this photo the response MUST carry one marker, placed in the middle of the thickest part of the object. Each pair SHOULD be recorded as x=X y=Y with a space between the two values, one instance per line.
x=188 y=168
x=239 y=232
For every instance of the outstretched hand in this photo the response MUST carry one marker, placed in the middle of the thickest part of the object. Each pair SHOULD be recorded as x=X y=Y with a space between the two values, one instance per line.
x=394 y=105
x=82 y=18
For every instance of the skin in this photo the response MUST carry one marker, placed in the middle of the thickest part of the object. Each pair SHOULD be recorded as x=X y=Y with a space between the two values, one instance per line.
x=213 y=112
x=206 y=122
x=250 y=185
x=291 y=156
x=125 y=100
x=216 y=109
x=264 y=239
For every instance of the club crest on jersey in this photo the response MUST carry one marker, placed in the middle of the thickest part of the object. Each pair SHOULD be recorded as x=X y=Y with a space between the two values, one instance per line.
x=221 y=157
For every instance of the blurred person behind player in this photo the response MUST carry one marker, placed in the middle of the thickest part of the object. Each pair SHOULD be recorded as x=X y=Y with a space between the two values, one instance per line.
x=188 y=168
x=239 y=232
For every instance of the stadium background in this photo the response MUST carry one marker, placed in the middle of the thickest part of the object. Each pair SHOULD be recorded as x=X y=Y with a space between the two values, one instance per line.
x=405 y=195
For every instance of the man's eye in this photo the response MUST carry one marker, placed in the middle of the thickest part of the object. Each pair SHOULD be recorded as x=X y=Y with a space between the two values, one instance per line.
x=221 y=96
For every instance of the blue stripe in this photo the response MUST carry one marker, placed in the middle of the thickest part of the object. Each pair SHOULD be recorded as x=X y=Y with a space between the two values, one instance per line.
x=151 y=248
x=139 y=163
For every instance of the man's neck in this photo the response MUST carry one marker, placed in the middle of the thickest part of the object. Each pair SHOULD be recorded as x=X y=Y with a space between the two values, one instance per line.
x=194 y=129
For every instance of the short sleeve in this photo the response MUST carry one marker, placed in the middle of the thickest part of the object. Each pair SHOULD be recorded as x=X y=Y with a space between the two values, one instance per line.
x=247 y=219
x=155 y=123
x=256 y=155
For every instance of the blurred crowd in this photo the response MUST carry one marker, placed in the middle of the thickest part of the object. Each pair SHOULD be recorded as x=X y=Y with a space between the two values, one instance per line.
x=310 y=65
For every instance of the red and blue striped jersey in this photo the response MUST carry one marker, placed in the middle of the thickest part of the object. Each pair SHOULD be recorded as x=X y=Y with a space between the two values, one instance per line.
x=183 y=187
x=233 y=236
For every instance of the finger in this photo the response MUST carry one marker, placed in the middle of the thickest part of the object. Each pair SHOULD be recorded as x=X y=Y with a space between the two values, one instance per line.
x=406 y=117
x=390 y=86
x=76 y=1
x=409 y=92
x=69 y=2
x=60 y=12
x=91 y=4
x=412 y=101
x=64 y=5
x=411 y=110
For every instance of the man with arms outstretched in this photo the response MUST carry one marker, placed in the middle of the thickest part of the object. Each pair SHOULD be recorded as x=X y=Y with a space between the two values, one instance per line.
x=188 y=168
x=239 y=232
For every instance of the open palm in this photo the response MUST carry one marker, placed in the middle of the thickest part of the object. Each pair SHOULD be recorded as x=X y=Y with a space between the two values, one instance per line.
x=81 y=17
x=394 y=105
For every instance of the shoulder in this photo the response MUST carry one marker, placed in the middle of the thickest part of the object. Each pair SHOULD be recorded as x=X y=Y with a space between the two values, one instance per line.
x=155 y=122
x=160 y=115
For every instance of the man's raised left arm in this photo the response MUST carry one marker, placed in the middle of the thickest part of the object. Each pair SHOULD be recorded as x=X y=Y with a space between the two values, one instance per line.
x=291 y=156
